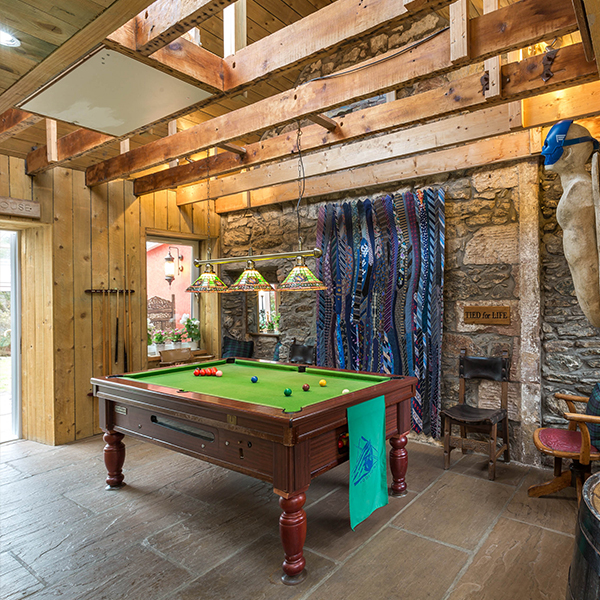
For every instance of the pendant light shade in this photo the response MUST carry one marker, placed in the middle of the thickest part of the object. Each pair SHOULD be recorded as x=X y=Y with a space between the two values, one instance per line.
x=301 y=279
x=251 y=281
x=208 y=282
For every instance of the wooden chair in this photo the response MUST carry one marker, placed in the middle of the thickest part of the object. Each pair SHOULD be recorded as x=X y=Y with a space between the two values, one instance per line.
x=302 y=354
x=481 y=420
x=567 y=443
x=179 y=356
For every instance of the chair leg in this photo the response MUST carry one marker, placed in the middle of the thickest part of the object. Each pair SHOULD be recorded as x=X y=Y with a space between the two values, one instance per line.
x=557 y=466
x=505 y=440
x=447 y=449
x=463 y=435
x=558 y=483
x=493 y=443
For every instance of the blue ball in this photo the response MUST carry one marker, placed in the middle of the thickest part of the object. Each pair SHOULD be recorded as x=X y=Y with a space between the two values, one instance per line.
x=254 y=379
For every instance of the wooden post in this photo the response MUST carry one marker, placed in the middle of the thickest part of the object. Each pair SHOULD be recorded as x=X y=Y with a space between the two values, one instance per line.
x=492 y=65
x=51 y=141
x=459 y=31
x=172 y=130
x=235 y=36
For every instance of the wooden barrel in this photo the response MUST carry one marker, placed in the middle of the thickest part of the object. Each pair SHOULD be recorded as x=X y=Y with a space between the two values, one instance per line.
x=584 y=574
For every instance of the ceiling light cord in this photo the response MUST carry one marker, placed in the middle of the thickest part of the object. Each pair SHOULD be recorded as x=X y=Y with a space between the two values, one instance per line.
x=301 y=176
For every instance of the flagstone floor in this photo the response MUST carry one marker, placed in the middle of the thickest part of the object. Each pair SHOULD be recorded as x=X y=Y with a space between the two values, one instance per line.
x=182 y=529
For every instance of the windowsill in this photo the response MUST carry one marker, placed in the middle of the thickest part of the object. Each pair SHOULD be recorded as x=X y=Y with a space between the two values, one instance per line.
x=199 y=354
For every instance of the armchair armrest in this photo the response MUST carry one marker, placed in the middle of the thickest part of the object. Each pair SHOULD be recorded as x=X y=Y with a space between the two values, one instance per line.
x=581 y=418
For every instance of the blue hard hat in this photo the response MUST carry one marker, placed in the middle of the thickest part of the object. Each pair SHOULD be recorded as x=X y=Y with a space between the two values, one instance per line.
x=556 y=140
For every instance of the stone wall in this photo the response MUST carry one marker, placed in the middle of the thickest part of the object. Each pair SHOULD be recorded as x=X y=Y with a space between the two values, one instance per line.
x=571 y=346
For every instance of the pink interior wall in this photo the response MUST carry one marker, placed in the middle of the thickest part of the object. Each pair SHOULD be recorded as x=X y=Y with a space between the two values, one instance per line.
x=158 y=285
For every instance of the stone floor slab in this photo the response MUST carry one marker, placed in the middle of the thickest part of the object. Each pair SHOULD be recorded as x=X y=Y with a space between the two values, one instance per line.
x=476 y=465
x=15 y=580
x=518 y=561
x=395 y=565
x=456 y=510
x=557 y=511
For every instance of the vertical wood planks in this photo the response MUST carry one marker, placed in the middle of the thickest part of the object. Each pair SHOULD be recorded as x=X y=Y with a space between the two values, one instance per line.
x=85 y=405
x=20 y=183
x=63 y=313
x=172 y=211
x=459 y=30
x=492 y=65
x=4 y=176
x=160 y=209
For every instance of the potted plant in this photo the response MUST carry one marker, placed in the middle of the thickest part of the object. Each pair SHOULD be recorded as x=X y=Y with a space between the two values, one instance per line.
x=192 y=332
x=176 y=336
x=276 y=318
x=159 y=338
x=150 y=339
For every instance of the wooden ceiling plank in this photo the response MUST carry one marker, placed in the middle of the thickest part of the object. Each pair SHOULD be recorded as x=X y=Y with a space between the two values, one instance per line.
x=423 y=61
x=14 y=121
x=313 y=36
x=592 y=13
x=460 y=95
x=71 y=50
x=164 y=21
x=68 y=147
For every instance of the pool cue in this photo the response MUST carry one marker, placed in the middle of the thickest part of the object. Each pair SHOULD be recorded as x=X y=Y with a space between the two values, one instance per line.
x=130 y=328
x=117 y=329
x=125 y=334
x=106 y=358
x=103 y=309
x=109 y=332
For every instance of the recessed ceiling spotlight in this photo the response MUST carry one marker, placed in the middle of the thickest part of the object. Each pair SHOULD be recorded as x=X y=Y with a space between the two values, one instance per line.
x=8 y=40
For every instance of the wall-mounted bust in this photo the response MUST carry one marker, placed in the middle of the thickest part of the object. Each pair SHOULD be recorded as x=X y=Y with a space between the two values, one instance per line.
x=567 y=149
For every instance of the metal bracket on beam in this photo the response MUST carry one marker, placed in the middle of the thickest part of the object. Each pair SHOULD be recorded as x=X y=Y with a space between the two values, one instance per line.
x=547 y=61
x=324 y=121
x=232 y=148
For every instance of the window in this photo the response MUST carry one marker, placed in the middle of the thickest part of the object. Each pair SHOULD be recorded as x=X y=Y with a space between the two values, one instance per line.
x=167 y=303
x=268 y=312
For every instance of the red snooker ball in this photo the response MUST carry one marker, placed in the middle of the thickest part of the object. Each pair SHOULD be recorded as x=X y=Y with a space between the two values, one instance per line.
x=202 y=372
x=197 y=372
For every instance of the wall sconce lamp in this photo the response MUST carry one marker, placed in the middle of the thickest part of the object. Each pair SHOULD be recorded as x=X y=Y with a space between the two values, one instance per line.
x=170 y=264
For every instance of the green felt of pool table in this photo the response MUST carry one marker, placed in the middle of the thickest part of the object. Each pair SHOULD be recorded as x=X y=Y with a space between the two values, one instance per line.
x=273 y=379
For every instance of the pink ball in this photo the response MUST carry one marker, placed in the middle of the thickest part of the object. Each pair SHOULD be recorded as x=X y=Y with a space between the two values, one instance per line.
x=219 y=373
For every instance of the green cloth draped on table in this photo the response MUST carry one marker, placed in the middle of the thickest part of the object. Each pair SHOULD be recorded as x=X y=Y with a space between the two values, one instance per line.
x=368 y=464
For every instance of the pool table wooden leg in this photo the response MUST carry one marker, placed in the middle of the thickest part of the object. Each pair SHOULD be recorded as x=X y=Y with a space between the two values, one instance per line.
x=114 y=457
x=292 y=529
x=398 y=464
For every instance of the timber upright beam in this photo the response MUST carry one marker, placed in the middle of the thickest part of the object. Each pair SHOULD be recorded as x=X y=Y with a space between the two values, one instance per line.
x=459 y=31
x=492 y=65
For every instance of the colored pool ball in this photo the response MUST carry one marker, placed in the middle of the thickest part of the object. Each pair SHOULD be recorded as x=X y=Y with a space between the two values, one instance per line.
x=306 y=387
x=322 y=383
x=254 y=379
x=287 y=392
x=201 y=372
x=345 y=391
x=197 y=372
x=213 y=370
x=219 y=373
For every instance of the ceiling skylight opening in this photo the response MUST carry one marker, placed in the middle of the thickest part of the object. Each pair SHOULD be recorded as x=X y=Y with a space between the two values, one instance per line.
x=6 y=39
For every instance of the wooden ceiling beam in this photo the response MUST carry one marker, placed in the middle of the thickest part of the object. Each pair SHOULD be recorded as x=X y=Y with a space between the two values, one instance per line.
x=527 y=22
x=324 y=121
x=584 y=29
x=182 y=59
x=119 y=12
x=460 y=95
x=165 y=20
x=68 y=147
x=229 y=147
x=341 y=23
x=14 y=121
x=592 y=14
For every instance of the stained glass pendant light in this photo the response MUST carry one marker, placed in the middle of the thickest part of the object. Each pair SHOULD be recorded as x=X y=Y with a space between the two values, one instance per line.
x=301 y=278
x=250 y=281
x=208 y=282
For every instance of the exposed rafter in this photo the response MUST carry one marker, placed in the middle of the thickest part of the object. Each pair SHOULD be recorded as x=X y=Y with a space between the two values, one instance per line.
x=462 y=94
x=592 y=13
x=518 y=25
x=14 y=120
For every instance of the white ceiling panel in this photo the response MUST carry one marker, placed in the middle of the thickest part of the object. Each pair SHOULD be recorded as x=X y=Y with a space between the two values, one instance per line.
x=114 y=94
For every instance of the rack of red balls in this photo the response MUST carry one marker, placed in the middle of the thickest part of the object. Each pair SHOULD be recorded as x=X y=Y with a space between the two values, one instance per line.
x=208 y=371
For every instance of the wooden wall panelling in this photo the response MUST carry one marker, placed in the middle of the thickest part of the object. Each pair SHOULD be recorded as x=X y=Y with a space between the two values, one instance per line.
x=63 y=309
x=172 y=211
x=42 y=193
x=85 y=405
x=4 y=176
x=20 y=184
x=116 y=262
x=135 y=263
x=161 y=200
x=186 y=218
x=37 y=392
x=99 y=233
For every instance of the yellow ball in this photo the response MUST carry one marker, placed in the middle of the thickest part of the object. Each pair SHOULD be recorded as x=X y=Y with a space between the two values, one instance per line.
x=322 y=383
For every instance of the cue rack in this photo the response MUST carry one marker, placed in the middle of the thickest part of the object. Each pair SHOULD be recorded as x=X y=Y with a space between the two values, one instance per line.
x=123 y=329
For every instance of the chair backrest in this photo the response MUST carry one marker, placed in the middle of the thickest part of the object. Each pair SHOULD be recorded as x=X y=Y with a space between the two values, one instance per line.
x=302 y=354
x=232 y=348
x=494 y=368
x=179 y=355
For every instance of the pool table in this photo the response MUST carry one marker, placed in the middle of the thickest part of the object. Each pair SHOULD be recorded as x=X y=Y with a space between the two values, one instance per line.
x=253 y=428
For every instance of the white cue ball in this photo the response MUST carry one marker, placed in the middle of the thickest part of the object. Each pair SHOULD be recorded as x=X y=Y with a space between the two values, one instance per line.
x=219 y=373
x=345 y=391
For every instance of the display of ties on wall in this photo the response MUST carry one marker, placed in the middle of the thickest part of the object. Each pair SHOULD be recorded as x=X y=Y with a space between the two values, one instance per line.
x=487 y=315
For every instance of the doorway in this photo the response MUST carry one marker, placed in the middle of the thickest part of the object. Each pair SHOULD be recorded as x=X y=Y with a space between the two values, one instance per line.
x=10 y=337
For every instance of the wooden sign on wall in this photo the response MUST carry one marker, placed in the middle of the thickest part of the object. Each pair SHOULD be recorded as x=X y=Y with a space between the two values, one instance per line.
x=487 y=315
x=19 y=208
